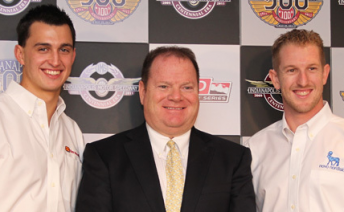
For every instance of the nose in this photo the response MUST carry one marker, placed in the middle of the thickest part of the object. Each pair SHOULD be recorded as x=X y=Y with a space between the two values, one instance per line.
x=303 y=78
x=55 y=59
x=175 y=95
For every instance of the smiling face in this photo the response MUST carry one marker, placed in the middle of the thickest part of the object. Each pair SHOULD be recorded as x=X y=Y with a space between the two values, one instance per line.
x=301 y=77
x=47 y=58
x=170 y=98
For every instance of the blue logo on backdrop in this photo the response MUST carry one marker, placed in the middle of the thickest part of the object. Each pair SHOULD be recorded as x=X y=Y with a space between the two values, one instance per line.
x=9 y=70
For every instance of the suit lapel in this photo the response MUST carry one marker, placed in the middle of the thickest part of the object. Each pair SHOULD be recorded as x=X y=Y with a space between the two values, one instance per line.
x=140 y=153
x=199 y=159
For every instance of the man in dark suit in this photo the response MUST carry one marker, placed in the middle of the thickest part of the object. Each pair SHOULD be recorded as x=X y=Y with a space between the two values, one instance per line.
x=166 y=164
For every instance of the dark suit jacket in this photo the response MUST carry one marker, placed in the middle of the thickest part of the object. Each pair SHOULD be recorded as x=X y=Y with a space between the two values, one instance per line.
x=119 y=175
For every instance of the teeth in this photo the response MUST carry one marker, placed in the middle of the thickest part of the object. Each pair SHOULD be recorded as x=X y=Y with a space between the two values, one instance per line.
x=174 y=108
x=302 y=93
x=52 y=72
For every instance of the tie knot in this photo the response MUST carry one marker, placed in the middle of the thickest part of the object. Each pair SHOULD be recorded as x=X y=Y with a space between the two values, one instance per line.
x=171 y=144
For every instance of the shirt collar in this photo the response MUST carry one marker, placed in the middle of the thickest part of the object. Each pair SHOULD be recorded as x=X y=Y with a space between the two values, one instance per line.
x=286 y=130
x=27 y=101
x=317 y=122
x=314 y=125
x=159 y=142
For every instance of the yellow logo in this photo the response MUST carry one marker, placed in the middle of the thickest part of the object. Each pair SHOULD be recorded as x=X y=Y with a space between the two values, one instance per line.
x=103 y=12
x=286 y=13
x=342 y=94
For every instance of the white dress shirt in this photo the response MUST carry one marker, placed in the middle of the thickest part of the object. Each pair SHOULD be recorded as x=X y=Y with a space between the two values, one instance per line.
x=40 y=165
x=296 y=171
x=160 y=152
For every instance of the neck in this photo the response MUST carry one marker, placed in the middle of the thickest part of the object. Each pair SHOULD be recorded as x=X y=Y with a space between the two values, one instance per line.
x=295 y=119
x=51 y=104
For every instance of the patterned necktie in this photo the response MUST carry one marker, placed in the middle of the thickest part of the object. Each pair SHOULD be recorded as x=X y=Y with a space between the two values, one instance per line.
x=175 y=179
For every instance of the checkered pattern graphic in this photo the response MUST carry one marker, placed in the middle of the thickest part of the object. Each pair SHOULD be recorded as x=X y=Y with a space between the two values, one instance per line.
x=231 y=42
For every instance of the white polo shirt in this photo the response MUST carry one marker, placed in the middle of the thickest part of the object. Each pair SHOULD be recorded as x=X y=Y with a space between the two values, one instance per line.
x=40 y=166
x=301 y=171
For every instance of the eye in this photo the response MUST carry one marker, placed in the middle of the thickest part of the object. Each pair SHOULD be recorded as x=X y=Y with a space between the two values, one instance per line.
x=42 y=49
x=65 y=50
x=188 y=87
x=162 y=86
x=312 y=68
x=291 y=70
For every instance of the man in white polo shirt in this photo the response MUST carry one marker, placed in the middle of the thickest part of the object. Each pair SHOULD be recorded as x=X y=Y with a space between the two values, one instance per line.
x=40 y=146
x=297 y=161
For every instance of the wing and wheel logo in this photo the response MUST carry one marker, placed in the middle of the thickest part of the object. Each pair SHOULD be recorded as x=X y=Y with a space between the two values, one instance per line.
x=194 y=9
x=103 y=12
x=286 y=13
x=265 y=89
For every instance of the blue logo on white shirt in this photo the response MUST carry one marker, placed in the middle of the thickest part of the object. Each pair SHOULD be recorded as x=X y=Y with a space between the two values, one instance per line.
x=334 y=161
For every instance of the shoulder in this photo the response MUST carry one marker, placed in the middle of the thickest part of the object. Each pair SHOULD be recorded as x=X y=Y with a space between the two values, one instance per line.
x=263 y=135
x=337 y=120
x=113 y=148
x=336 y=123
x=5 y=100
x=70 y=124
x=220 y=144
x=9 y=109
x=117 y=140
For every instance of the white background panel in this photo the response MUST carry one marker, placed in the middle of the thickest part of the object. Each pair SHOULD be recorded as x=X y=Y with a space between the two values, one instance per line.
x=6 y=53
x=7 y=50
x=132 y=29
x=256 y=32
x=90 y=137
x=244 y=139
x=220 y=62
x=337 y=69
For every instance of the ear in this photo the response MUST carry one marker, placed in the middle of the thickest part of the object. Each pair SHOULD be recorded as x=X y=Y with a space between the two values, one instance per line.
x=274 y=79
x=142 y=91
x=19 y=54
x=326 y=72
x=74 y=54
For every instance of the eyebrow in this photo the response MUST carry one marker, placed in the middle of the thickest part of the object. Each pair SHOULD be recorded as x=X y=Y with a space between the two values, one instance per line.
x=292 y=65
x=48 y=44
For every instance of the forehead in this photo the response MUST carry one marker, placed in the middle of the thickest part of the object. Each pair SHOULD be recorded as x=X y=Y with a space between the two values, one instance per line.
x=173 y=67
x=289 y=48
x=41 y=30
x=292 y=53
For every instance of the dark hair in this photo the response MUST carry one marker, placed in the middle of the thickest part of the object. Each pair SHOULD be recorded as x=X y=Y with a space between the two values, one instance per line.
x=299 y=37
x=48 y=14
x=166 y=51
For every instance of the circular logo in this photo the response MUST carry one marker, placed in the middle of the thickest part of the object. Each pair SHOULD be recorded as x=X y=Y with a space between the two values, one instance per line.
x=286 y=14
x=274 y=100
x=103 y=12
x=193 y=9
x=101 y=98
x=13 y=7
